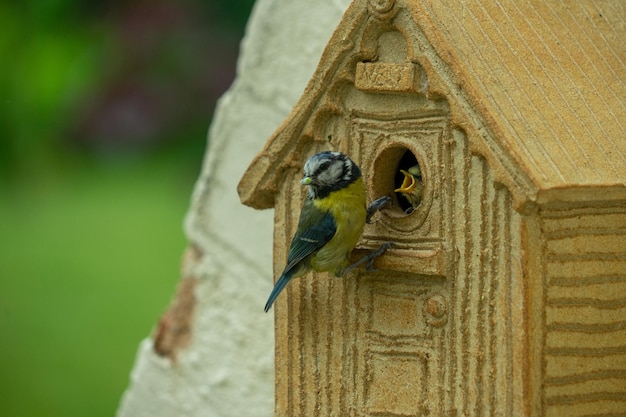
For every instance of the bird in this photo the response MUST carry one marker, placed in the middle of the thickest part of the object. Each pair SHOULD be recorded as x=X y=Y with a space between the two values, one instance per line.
x=412 y=187
x=331 y=220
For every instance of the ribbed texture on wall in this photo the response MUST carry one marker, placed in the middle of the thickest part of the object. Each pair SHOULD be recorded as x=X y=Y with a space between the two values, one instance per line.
x=481 y=377
x=585 y=304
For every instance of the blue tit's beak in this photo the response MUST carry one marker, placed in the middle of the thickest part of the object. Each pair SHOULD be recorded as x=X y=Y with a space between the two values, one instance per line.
x=306 y=181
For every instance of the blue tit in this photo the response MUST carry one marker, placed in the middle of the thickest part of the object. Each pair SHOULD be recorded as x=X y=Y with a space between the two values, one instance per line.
x=412 y=187
x=331 y=220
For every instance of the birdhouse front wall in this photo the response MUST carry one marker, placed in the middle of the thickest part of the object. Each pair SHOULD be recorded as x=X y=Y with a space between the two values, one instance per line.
x=438 y=327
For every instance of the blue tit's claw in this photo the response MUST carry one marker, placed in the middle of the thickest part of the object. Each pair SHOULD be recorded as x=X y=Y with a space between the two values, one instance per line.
x=369 y=266
x=383 y=248
x=376 y=205
x=368 y=259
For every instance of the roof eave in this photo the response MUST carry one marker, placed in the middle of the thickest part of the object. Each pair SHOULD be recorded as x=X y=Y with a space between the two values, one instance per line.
x=258 y=186
x=582 y=194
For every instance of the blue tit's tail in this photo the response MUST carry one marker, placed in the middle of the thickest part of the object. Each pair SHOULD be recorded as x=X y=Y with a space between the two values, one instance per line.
x=280 y=284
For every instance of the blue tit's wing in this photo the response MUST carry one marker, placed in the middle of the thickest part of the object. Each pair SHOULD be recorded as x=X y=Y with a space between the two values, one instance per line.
x=315 y=229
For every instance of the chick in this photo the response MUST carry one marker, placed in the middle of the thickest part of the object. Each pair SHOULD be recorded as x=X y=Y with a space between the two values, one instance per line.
x=412 y=187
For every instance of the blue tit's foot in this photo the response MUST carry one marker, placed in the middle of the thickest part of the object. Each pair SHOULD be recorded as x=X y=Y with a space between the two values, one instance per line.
x=377 y=205
x=368 y=259
x=375 y=254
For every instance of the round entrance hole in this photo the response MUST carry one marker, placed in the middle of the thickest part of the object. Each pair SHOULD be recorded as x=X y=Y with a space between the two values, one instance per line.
x=388 y=177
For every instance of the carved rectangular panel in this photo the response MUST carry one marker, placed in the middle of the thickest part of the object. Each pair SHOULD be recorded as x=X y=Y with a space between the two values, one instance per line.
x=398 y=367
x=371 y=140
x=385 y=76
x=399 y=384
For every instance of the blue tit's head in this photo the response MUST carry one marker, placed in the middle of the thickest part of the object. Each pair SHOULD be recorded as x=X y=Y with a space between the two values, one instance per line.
x=326 y=172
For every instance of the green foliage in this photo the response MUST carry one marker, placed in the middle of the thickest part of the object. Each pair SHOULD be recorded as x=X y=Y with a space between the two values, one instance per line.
x=103 y=116
x=88 y=264
x=48 y=64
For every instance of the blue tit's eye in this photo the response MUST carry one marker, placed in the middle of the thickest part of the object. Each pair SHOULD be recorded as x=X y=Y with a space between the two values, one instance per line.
x=324 y=166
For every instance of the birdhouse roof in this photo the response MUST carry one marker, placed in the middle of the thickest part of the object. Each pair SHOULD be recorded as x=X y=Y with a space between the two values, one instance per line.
x=543 y=84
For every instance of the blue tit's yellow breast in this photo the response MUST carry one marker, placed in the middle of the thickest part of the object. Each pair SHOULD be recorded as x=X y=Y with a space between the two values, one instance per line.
x=348 y=208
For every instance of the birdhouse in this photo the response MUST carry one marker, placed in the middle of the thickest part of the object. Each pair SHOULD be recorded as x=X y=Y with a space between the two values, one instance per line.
x=505 y=292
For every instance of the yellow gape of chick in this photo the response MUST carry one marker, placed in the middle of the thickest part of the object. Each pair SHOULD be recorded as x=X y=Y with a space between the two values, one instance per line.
x=331 y=220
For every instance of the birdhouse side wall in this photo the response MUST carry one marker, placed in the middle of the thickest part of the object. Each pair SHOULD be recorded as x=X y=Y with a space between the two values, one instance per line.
x=583 y=342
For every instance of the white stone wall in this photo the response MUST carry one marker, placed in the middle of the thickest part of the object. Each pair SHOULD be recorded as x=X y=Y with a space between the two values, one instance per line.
x=227 y=367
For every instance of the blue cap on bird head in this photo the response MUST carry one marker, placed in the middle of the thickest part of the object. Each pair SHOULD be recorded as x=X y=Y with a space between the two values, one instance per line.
x=328 y=171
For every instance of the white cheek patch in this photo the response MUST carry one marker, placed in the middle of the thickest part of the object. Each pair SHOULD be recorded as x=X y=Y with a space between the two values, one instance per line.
x=348 y=174
x=308 y=169
x=332 y=174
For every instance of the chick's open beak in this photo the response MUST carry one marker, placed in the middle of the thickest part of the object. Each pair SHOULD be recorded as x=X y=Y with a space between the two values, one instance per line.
x=408 y=184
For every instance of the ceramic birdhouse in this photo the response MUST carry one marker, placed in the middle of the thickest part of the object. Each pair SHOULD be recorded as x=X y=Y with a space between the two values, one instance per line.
x=505 y=292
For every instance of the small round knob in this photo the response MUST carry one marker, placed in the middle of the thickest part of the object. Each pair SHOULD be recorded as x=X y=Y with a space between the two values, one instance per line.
x=435 y=310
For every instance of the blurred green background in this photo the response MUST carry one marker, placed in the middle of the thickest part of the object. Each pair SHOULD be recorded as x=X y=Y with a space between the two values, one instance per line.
x=104 y=109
